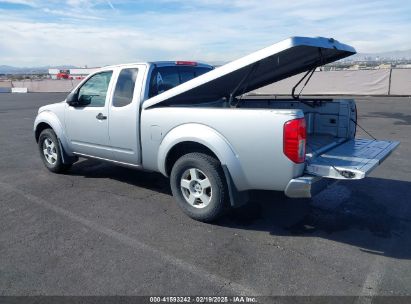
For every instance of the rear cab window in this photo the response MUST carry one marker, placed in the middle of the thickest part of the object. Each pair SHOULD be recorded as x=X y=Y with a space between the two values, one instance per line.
x=164 y=78
x=124 y=91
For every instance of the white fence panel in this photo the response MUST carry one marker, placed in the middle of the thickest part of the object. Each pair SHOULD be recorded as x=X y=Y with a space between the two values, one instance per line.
x=361 y=82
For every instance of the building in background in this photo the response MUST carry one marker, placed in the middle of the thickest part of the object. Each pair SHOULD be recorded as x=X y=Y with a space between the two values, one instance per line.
x=77 y=73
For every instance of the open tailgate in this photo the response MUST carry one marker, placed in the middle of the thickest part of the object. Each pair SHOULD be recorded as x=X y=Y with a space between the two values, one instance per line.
x=353 y=159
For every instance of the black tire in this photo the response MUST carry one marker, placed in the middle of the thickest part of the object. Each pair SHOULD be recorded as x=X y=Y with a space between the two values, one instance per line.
x=57 y=166
x=209 y=168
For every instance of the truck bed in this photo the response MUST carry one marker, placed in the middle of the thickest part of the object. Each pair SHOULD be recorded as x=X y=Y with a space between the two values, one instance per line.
x=319 y=143
x=329 y=121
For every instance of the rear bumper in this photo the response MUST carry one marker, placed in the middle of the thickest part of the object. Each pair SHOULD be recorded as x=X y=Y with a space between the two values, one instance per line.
x=307 y=186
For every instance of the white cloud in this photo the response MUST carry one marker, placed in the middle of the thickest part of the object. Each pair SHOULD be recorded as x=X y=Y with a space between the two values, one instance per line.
x=31 y=3
x=110 y=4
x=44 y=44
x=70 y=14
x=94 y=32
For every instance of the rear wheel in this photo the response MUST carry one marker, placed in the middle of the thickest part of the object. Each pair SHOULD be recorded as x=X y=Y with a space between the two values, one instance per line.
x=50 y=152
x=198 y=184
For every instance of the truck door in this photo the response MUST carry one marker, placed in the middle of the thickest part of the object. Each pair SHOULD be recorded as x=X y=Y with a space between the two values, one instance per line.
x=87 y=123
x=124 y=115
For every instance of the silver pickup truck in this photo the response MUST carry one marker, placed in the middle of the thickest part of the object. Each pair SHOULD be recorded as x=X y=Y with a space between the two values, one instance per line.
x=197 y=125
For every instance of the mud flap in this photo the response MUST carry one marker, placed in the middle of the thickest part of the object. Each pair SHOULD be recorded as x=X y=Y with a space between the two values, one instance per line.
x=353 y=159
x=237 y=198
x=65 y=158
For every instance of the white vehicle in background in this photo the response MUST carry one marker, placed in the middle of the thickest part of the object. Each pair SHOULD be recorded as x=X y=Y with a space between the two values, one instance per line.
x=193 y=124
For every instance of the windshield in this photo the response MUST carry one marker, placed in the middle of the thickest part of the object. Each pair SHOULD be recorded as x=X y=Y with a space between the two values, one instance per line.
x=168 y=77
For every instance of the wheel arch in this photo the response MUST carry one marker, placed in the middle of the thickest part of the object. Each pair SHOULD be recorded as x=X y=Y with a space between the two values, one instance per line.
x=192 y=137
x=183 y=148
x=39 y=128
x=47 y=120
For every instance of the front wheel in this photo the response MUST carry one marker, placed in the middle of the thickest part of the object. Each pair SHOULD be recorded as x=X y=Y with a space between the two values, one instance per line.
x=198 y=184
x=50 y=152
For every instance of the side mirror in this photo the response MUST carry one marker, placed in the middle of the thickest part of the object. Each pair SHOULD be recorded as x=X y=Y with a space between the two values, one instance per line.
x=72 y=99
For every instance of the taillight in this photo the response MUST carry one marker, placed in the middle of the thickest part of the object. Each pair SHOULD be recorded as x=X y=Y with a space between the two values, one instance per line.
x=294 y=140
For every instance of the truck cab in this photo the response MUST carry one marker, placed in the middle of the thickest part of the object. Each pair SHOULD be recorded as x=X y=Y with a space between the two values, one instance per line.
x=102 y=116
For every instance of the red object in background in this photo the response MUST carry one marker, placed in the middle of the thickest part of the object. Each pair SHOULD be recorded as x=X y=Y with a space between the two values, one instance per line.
x=62 y=76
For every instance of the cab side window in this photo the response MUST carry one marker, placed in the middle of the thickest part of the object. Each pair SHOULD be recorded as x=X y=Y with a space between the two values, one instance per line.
x=93 y=93
x=124 y=91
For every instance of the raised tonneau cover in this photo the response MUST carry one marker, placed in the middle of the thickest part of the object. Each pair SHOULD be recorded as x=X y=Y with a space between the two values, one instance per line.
x=276 y=62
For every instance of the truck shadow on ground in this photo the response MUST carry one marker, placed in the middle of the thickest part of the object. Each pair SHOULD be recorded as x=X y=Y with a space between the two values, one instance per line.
x=96 y=169
x=370 y=214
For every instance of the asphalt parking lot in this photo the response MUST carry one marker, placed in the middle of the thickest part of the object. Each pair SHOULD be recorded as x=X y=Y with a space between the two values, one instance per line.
x=107 y=230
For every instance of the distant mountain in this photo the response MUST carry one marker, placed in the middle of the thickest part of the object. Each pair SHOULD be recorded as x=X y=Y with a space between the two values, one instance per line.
x=6 y=69
x=392 y=55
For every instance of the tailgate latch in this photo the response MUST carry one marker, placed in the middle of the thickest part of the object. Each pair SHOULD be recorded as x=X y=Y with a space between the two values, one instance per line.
x=346 y=173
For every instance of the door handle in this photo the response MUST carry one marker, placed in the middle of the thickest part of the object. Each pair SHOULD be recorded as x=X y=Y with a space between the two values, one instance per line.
x=100 y=116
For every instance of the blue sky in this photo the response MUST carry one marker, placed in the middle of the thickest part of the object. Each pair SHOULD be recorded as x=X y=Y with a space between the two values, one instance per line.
x=101 y=32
